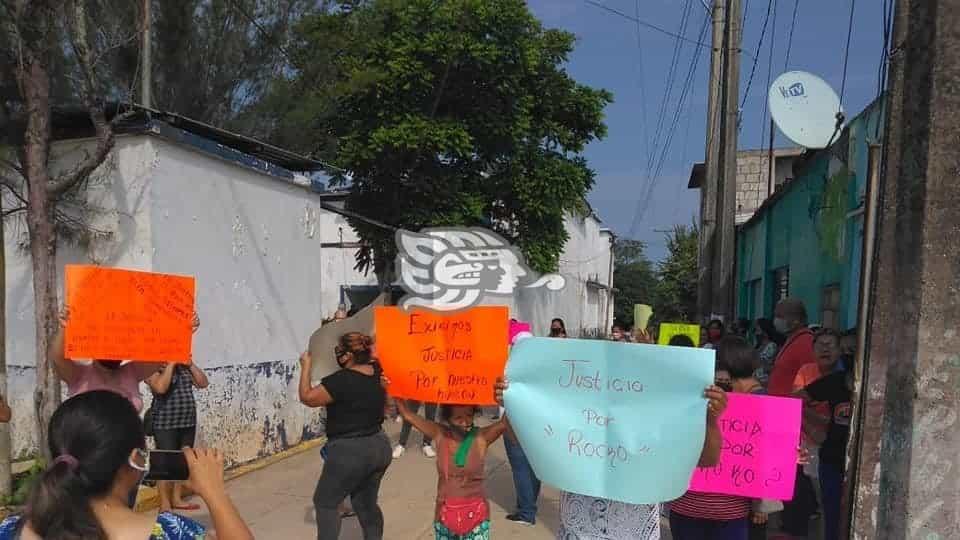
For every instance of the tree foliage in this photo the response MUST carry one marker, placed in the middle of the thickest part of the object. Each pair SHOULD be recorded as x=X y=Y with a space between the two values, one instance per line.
x=676 y=297
x=633 y=277
x=444 y=113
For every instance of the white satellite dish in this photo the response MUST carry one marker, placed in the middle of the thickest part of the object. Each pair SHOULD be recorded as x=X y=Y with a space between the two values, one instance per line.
x=805 y=109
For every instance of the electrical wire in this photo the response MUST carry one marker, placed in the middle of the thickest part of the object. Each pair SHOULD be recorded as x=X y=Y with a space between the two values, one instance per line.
x=846 y=52
x=646 y=24
x=756 y=59
x=793 y=24
x=644 y=202
x=668 y=90
x=642 y=83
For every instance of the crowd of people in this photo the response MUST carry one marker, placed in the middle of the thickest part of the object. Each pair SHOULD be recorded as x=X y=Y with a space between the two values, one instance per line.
x=100 y=454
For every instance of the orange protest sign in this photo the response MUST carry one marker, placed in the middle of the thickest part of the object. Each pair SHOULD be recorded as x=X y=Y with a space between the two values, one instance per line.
x=441 y=357
x=126 y=315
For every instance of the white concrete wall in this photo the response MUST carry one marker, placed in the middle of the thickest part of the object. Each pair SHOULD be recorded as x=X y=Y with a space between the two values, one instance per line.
x=263 y=283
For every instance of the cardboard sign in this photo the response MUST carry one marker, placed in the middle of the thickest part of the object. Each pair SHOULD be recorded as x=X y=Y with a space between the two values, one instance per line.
x=621 y=421
x=127 y=315
x=443 y=357
x=324 y=340
x=641 y=316
x=668 y=330
x=759 y=453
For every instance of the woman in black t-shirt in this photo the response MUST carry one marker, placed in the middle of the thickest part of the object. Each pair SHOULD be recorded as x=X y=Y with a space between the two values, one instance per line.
x=834 y=389
x=358 y=451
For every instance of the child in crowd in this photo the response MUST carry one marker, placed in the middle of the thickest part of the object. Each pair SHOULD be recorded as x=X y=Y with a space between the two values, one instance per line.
x=462 y=511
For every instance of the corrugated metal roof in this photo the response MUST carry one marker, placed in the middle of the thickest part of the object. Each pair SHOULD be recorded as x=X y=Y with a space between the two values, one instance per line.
x=74 y=122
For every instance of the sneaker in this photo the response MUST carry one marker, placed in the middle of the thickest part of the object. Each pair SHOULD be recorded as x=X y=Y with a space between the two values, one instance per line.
x=398 y=451
x=428 y=451
x=516 y=518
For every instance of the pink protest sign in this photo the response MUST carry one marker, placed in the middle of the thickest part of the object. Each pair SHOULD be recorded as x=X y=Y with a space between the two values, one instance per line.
x=516 y=327
x=759 y=453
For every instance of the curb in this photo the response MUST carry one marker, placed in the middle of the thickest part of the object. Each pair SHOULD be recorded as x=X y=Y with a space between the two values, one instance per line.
x=148 y=498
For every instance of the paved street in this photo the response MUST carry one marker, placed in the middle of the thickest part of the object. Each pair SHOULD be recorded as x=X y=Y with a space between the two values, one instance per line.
x=276 y=500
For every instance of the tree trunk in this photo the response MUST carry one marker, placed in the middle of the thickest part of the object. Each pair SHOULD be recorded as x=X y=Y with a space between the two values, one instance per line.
x=6 y=474
x=35 y=82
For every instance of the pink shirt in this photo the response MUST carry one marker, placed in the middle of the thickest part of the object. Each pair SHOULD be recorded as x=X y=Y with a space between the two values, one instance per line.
x=124 y=381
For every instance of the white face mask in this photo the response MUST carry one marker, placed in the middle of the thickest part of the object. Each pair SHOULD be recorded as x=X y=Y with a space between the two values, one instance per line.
x=145 y=468
x=781 y=325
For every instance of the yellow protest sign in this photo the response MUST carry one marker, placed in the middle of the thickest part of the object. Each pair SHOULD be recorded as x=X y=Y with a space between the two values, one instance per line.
x=668 y=330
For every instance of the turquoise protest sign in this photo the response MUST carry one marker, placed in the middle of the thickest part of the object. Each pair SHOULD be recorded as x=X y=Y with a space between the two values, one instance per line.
x=621 y=421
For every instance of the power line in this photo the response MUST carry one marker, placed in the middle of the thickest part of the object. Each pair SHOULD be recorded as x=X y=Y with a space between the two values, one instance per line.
x=793 y=24
x=642 y=83
x=846 y=53
x=644 y=202
x=756 y=59
x=668 y=89
x=646 y=24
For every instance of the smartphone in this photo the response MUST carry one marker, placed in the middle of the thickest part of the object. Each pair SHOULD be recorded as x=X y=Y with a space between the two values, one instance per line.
x=168 y=465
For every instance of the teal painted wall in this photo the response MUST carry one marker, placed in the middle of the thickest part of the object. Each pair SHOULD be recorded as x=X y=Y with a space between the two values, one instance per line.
x=812 y=228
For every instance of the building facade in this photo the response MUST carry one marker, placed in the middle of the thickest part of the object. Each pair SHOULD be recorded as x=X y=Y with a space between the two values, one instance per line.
x=753 y=186
x=806 y=240
x=272 y=259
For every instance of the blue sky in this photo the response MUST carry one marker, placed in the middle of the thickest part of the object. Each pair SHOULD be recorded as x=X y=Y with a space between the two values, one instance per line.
x=607 y=56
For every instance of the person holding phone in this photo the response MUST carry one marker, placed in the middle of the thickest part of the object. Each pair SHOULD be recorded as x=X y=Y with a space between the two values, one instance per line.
x=174 y=419
x=100 y=455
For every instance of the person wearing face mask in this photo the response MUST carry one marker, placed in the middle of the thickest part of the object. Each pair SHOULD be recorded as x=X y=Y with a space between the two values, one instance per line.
x=558 y=329
x=791 y=321
x=462 y=511
x=358 y=451
x=714 y=334
x=98 y=445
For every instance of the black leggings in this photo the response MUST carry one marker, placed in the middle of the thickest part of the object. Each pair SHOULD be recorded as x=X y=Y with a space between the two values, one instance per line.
x=353 y=467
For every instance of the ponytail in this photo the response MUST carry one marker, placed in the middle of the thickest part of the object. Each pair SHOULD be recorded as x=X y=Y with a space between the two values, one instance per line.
x=92 y=436
x=58 y=507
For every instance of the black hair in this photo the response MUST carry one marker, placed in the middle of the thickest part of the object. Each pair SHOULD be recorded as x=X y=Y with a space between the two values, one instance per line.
x=681 y=340
x=356 y=344
x=716 y=323
x=446 y=412
x=562 y=324
x=826 y=332
x=99 y=430
x=738 y=356
x=767 y=327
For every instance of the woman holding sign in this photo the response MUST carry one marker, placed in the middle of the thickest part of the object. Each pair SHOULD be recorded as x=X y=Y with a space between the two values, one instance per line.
x=583 y=517
x=358 y=451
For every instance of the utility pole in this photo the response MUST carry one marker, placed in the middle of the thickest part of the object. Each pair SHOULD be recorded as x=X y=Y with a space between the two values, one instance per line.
x=905 y=476
x=708 y=192
x=146 y=70
x=724 y=258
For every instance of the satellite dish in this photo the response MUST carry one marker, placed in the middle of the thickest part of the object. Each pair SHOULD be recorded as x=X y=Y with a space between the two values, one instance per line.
x=805 y=109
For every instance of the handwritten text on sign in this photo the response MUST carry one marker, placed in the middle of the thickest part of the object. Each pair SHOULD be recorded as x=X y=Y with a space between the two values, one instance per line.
x=594 y=416
x=126 y=315
x=759 y=453
x=443 y=357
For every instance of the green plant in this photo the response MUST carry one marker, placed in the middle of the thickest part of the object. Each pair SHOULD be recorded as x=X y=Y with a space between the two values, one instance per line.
x=22 y=483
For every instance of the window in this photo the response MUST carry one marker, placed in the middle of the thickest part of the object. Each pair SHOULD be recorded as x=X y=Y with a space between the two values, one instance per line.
x=830 y=307
x=781 y=285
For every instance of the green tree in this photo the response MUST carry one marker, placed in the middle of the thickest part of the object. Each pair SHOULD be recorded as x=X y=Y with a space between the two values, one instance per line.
x=677 y=277
x=633 y=277
x=445 y=113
